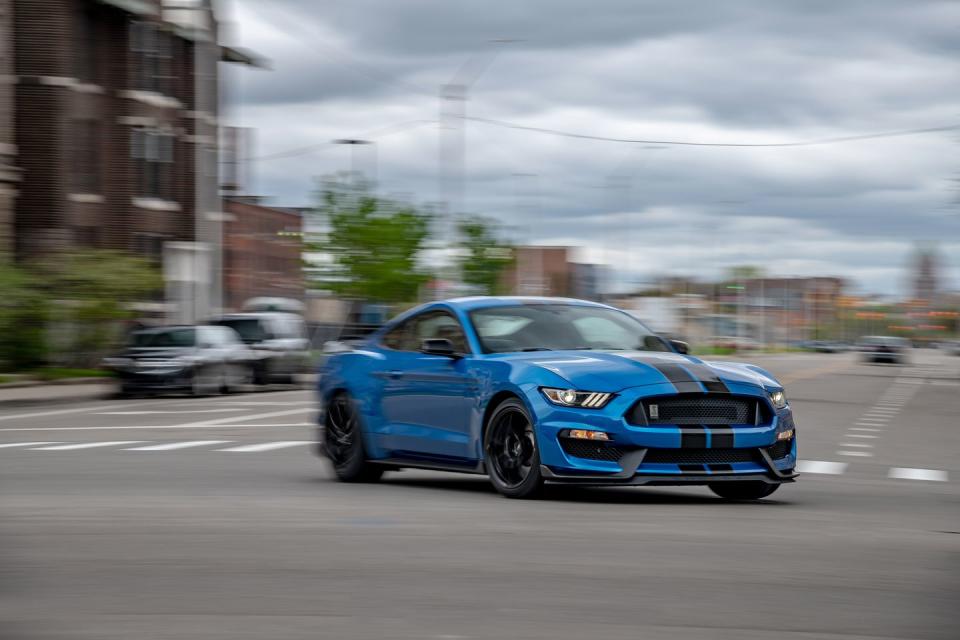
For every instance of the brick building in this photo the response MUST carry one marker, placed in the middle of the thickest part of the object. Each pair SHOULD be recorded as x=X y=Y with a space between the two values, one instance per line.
x=262 y=252
x=540 y=271
x=117 y=132
x=9 y=175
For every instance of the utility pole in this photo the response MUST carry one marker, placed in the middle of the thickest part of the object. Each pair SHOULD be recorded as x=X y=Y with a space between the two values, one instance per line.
x=353 y=143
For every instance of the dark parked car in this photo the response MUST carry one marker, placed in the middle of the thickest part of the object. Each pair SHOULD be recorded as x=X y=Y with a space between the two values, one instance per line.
x=201 y=360
x=884 y=349
x=278 y=341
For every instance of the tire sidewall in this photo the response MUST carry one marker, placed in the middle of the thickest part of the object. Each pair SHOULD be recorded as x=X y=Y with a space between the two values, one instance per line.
x=534 y=481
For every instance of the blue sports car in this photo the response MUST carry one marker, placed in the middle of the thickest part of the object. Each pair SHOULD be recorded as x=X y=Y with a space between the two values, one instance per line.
x=549 y=390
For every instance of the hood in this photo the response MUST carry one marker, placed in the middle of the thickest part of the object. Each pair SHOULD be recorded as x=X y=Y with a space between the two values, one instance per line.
x=615 y=370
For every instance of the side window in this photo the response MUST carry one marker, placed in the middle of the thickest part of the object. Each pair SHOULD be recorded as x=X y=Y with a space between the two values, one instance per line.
x=399 y=338
x=441 y=325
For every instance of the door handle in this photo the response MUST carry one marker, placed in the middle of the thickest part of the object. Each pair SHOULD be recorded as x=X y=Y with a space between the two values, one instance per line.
x=395 y=374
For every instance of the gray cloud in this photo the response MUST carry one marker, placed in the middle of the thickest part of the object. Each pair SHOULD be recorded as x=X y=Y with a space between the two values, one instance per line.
x=730 y=71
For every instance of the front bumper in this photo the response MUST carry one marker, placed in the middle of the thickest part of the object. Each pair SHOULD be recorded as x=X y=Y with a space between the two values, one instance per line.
x=662 y=454
x=172 y=379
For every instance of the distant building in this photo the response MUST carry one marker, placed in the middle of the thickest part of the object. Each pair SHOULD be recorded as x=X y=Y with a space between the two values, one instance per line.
x=262 y=252
x=925 y=275
x=117 y=131
x=9 y=174
x=585 y=281
x=540 y=271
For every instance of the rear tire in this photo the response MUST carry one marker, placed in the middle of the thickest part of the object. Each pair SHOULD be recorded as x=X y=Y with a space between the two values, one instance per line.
x=745 y=490
x=510 y=451
x=343 y=442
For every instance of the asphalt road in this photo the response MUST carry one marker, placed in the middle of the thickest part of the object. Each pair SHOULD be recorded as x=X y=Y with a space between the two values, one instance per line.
x=211 y=518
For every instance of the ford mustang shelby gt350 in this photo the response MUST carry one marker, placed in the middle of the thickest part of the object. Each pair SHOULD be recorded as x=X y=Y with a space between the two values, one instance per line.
x=549 y=390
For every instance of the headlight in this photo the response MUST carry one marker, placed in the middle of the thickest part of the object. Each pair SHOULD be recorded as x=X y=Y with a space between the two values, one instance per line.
x=778 y=399
x=572 y=398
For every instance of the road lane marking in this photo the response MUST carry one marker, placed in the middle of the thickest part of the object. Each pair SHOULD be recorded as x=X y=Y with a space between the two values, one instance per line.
x=865 y=429
x=253 y=416
x=855 y=454
x=930 y=475
x=7 y=445
x=170 y=446
x=267 y=446
x=821 y=466
x=87 y=445
x=862 y=445
x=157 y=426
x=164 y=413
x=858 y=435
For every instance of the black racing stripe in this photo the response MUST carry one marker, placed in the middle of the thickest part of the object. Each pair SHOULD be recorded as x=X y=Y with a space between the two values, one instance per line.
x=680 y=377
x=721 y=437
x=721 y=467
x=693 y=436
x=692 y=468
x=711 y=382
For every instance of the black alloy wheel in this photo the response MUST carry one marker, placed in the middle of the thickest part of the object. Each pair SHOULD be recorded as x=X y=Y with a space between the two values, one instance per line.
x=343 y=442
x=510 y=451
x=743 y=490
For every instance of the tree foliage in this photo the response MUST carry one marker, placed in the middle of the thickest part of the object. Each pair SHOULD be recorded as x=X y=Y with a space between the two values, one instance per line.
x=484 y=257
x=23 y=313
x=369 y=246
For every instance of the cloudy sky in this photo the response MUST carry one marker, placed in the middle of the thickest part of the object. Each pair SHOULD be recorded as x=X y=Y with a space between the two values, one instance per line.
x=733 y=72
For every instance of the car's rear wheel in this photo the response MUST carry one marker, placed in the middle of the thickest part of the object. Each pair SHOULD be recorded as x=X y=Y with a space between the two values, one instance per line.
x=746 y=490
x=510 y=451
x=343 y=442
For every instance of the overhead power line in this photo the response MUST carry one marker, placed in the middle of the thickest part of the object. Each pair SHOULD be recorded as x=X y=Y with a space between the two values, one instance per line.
x=685 y=143
x=381 y=132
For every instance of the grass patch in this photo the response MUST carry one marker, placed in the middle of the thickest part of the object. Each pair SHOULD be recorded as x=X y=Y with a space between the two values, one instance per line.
x=50 y=374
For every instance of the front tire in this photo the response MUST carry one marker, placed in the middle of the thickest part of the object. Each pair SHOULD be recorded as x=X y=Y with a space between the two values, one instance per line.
x=511 y=453
x=745 y=490
x=343 y=442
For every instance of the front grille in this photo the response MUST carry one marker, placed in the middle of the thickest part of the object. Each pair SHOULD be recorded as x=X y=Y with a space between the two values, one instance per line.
x=698 y=408
x=780 y=450
x=591 y=450
x=700 y=456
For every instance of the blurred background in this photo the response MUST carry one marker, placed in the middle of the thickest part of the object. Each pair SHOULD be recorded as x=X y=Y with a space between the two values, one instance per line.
x=743 y=176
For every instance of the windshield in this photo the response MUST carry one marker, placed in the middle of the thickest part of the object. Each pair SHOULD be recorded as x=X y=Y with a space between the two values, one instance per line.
x=184 y=337
x=250 y=329
x=543 y=327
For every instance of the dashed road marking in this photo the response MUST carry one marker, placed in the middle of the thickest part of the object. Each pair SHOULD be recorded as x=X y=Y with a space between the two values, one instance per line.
x=86 y=445
x=861 y=435
x=855 y=454
x=930 y=475
x=821 y=466
x=267 y=446
x=855 y=445
x=866 y=429
x=172 y=446
x=8 y=445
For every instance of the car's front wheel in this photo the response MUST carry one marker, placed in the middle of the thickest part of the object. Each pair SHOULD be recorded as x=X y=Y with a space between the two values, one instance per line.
x=510 y=451
x=745 y=490
x=343 y=442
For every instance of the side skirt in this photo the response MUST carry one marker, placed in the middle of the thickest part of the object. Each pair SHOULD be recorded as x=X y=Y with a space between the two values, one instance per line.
x=400 y=463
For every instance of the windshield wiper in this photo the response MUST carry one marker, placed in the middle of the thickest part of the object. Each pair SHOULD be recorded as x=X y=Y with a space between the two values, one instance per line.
x=537 y=349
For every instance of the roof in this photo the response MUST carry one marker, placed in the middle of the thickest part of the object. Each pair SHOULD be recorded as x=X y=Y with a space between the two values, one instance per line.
x=480 y=302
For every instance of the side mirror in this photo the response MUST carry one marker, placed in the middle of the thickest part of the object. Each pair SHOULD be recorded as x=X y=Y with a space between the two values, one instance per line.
x=680 y=346
x=438 y=347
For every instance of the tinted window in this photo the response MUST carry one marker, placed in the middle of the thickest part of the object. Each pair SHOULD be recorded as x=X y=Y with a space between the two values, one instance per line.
x=250 y=329
x=185 y=337
x=534 y=327
x=399 y=338
x=440 y=325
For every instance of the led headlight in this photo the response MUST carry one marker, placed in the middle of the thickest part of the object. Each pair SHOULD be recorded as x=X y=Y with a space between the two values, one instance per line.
x=573 y=398
x=778 y=399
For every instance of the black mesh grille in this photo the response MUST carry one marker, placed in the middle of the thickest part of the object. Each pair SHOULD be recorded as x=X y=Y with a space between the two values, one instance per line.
x=700 y=456
x=591 y=450
x=780 y=450
x=696 y=409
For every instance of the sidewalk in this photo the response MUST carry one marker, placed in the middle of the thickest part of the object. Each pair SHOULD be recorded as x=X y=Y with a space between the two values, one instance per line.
x=80 y=390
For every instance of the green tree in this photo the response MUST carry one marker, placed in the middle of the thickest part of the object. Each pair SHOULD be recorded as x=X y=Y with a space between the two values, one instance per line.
x=483 y=257
x=23 y=314
x=94 y=292
x=370 y=246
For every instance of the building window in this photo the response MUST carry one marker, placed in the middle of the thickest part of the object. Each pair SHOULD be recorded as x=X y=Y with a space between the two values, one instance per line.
x=152 y=52
x=153 y=151
x=86 y=159
x=149 y=246
x=86 y=51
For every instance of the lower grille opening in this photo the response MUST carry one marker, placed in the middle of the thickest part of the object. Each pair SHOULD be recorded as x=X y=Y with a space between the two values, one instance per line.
x=700 y=456
x=781 y=449
x=591 y=450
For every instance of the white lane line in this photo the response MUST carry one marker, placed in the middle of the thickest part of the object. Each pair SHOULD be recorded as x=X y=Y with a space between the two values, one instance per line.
x=158 y=426
x=267 y=446
x=7 y=445
x=61 y=412
x=164 y=413
x=170 y=446
x=821 y=466
x=87 y=445
x=855 y=454
x=872 y=421
x=252 y=416
x=861 y=445
x=857 y=435
x=930 y=475
x=866 y=429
